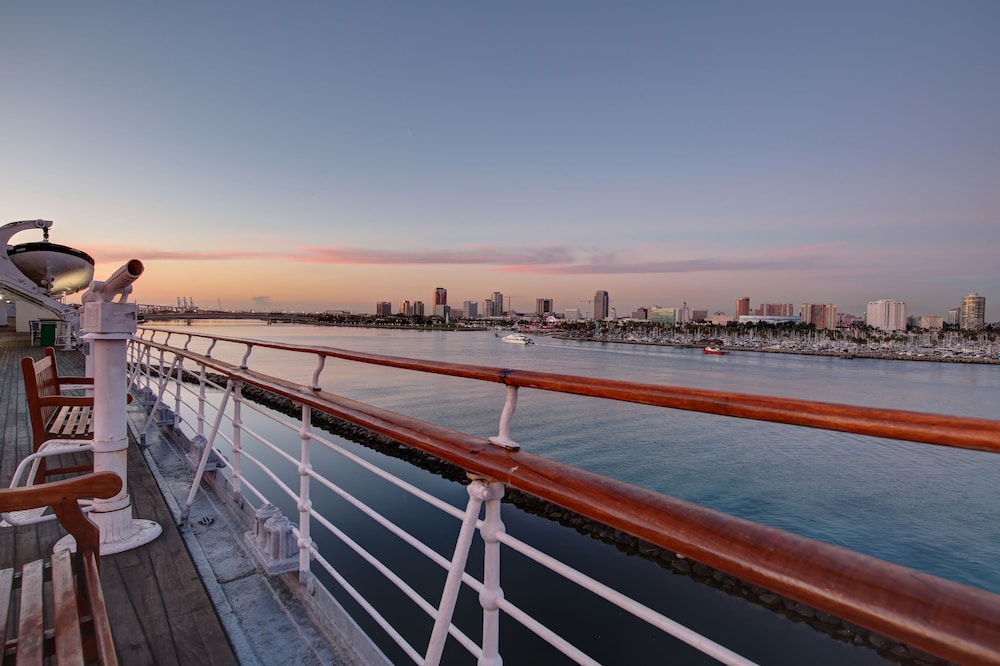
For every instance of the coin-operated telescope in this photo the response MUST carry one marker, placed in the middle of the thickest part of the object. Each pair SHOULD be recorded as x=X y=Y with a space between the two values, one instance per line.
x=108 y=325
x=101 y=312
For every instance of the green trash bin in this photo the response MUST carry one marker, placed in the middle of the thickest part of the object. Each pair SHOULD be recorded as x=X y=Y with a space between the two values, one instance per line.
x=47 y=334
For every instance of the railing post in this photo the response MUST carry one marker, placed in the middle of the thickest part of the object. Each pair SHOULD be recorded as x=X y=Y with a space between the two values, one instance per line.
x=305 y=503
x=492 y=593
x=237 y=461
x=203 y=448
x=149 y=371
x=202 y=381
x=479 y=491
x=161 y=378
x=178 y=388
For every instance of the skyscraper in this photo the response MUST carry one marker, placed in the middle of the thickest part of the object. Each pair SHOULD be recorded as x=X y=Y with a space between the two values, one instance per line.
x=543 y=306
x=821 y=315
x=601 y=303
x=973 y=315
x=440 y=296
x=742 y=307
x=887 y=315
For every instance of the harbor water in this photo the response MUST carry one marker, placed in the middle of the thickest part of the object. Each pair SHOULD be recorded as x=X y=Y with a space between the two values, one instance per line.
x=934 y=509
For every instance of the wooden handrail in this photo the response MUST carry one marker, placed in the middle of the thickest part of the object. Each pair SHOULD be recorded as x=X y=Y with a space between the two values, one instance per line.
x=939 y=429
x=953 y=621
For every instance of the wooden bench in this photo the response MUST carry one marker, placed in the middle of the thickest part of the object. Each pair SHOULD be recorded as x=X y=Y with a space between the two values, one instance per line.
x=54 y=415
x=59 y=606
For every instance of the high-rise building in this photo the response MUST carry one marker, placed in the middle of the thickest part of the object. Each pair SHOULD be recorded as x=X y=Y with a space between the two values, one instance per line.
x=821 y=315
x=543 y=306
x=601 y=303
x=493 y=306
x=471 y=309
x=668 y=316
x=887 y=315
x=932 y=322
x=742 y=307
x=973 y=315
x=406 y=309
x=777 y=309
x=440 y=296
x=383 y=309
x=418 y=308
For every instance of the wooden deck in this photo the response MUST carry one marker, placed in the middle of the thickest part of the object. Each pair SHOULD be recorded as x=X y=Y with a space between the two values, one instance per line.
x=160 y=611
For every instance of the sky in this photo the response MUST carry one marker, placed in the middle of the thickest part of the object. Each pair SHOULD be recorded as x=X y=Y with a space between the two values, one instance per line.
x=330 y=155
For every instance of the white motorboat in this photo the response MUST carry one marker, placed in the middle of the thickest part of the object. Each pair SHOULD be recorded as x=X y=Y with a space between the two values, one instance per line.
x=518 y=339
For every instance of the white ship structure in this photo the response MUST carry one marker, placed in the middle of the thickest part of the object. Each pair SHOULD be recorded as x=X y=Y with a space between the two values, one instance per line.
x=42 y=273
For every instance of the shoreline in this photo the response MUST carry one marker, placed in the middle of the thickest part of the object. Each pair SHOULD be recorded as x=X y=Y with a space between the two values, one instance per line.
x=803 y=352
x=844 y=353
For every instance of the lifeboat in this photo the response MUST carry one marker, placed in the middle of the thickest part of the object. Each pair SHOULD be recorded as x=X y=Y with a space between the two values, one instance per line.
x=58 y=269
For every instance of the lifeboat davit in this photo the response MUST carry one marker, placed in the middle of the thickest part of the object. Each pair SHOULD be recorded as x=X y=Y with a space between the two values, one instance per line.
x=58 y=269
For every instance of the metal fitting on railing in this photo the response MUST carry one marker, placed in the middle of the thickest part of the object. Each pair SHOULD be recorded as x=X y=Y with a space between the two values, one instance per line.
x=320 y=363
x=503 y=438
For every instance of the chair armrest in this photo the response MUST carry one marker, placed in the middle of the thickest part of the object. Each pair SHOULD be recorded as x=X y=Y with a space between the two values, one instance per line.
x=66 y=401
x=99 y=484
x=62 y=496
x=70 y=382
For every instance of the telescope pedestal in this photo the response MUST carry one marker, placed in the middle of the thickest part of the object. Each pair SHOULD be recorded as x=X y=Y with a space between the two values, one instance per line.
x=119 y=531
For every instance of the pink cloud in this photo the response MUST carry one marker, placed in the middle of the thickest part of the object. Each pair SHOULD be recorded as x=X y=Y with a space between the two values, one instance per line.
x=114 y=253
x=544 y=260
x=483 y=255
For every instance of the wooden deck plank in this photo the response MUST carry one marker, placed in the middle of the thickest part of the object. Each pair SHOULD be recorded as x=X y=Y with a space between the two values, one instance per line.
x=159 y=609
x=132 y=644
x=189 y=602
x=147 y=599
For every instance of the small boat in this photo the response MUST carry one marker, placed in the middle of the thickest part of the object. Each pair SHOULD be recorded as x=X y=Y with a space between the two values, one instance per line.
x=518 y=339
x=714 y=350
x=58 y=269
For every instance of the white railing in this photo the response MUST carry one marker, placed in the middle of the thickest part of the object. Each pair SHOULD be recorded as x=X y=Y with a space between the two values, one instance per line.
x=205 y=396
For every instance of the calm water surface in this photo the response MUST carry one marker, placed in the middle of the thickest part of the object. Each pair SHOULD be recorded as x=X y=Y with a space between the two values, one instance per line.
x=926 y=507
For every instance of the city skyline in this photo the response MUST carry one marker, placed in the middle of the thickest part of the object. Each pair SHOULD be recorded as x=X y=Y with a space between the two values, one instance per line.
x=332 y=157
x=888 y=309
